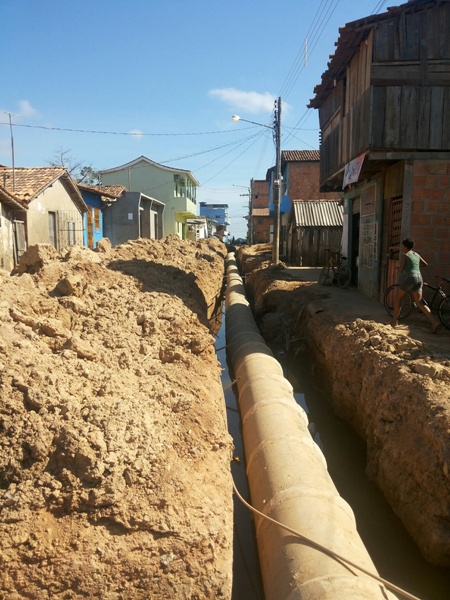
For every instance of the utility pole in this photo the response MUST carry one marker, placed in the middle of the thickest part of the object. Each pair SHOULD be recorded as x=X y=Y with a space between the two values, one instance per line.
x=12 y=147
x=276 y=132
x=250 y=213
x=277 y=183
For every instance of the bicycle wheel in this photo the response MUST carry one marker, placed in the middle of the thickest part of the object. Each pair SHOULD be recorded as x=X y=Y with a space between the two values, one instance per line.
x=405 y=307
x=344 y=276
x=323 y=275
x=444 y=312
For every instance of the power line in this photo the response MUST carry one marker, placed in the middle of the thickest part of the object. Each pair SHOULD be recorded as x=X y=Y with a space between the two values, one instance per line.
x=128 y=133
x=210 y=150
x=234 y=160
x=320 y=21
x=254 y=137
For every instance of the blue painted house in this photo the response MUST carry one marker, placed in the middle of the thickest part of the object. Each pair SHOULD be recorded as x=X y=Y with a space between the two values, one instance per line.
x=97 y=199
x=219 y=214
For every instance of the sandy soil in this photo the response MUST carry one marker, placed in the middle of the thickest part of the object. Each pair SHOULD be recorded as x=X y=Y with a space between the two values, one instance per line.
x=391 y=385
x=114 y=451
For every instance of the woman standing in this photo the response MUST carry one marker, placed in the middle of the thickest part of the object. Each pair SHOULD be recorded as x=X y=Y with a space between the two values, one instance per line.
x=411 y=281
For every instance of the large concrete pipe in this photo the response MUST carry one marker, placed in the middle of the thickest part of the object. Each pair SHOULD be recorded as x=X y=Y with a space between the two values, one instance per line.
x=288 y=477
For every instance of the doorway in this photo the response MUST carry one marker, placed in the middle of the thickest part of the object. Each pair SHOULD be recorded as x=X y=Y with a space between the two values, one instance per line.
x=354 y=243
x=52 y=235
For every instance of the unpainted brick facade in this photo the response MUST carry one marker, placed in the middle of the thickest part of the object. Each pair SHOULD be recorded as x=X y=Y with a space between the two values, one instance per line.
x=430 y=213
x=303 y=181
x=261 y=221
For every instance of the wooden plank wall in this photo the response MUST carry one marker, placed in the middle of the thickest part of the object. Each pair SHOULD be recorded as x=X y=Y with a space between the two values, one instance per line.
x=312 y=242
x=396 y=95
x=411 y=81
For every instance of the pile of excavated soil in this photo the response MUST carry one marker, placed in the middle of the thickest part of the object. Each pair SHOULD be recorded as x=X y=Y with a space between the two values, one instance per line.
x=391 y=387
x=114 y=451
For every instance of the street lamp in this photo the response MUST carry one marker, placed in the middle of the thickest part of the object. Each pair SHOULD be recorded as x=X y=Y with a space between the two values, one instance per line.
x=276 y=129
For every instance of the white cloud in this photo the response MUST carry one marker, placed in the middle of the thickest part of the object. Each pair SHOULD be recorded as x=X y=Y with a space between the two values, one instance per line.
x=26 y=110
x=136 y=133
x=250 y=102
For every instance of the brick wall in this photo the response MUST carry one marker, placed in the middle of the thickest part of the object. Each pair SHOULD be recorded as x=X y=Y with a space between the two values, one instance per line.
x=260 y=194
x=430 y=215
x=304 y=182
x=261 y=229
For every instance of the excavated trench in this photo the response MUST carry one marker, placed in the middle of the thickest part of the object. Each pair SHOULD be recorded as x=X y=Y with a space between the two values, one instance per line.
x=396 y=556
x=394 y=553
x=247 y=584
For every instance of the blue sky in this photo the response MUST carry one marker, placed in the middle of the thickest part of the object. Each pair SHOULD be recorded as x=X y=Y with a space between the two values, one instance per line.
x=162 y=79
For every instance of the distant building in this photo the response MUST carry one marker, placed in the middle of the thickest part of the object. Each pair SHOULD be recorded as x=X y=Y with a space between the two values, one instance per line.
x=197 y=229
x=260 y=220
x=218 y=213
x=176 y=189
x=300 y=171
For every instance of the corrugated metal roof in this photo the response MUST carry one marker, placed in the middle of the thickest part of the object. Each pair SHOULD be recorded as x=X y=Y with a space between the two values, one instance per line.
x=318 y=213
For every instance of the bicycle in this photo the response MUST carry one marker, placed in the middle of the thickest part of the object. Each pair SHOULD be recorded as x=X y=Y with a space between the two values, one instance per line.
x=442 y=307
x=334 y=272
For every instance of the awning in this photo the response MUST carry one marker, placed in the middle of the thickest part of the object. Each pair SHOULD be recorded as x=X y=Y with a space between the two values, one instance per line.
x=182 y=216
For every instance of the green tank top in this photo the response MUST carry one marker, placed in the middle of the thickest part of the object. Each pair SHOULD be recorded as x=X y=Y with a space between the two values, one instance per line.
x=412 y=265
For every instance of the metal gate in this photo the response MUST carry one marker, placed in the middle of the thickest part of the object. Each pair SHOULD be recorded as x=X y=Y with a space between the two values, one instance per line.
x=395 y=233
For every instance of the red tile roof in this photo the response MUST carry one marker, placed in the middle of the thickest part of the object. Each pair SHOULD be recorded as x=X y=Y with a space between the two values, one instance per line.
x=107 y=192
x=300 y=155
x=24 y=184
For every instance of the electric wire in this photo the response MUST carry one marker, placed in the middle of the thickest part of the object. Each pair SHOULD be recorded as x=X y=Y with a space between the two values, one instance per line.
x=254 y=138
x=296 y=70
x=172 y=160
x=320 y=21
x=317 y=31
x=378 y=7
x=126 y=133
x=260 y=132
x=326 y=550
x=230 y=163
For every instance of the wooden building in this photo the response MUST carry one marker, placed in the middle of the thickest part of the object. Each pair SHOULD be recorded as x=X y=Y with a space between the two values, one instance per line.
x=384 y=113
x=313 y=226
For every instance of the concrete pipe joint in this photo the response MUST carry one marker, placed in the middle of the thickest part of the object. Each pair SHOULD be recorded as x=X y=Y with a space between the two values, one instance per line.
x=288 y=478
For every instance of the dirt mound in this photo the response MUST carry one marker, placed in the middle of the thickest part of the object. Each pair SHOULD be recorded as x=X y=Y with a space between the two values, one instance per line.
x=114 y=451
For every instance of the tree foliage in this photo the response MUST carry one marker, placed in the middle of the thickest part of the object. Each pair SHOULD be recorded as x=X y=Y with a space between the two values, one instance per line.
x=83 y=174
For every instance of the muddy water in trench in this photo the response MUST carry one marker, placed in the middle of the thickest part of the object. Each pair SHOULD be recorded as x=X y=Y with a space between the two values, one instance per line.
x=246 y=573
x=393 y=552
